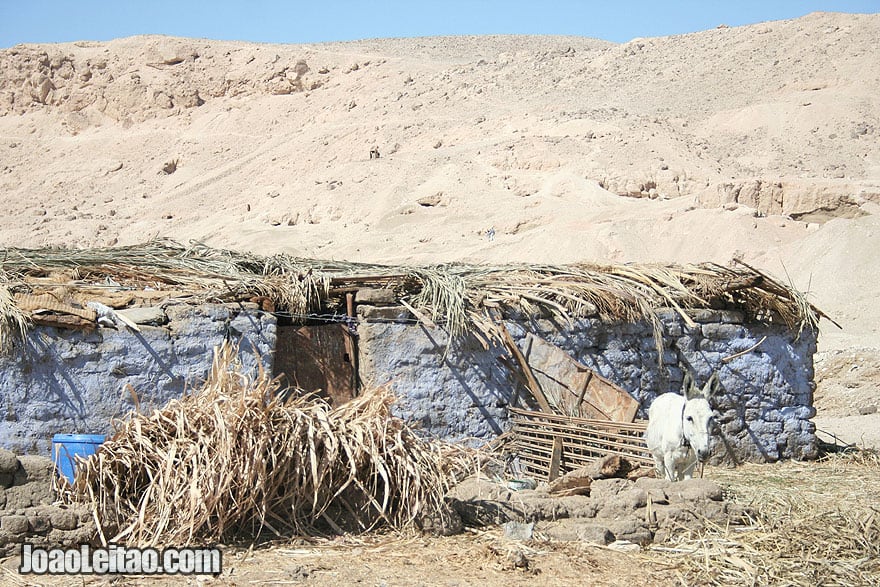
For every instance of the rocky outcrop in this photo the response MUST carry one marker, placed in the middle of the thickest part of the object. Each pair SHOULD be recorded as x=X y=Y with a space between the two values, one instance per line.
x=163 y=77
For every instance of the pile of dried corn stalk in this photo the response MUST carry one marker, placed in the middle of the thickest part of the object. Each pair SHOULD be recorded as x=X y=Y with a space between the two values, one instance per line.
x=236 y=458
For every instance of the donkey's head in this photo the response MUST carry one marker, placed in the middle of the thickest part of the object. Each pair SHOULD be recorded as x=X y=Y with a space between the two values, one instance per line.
x=697 y=417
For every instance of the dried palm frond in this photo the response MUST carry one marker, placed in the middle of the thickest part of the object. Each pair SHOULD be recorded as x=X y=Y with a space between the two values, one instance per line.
x=454 y=296
x=236 y=458
x=14 y=322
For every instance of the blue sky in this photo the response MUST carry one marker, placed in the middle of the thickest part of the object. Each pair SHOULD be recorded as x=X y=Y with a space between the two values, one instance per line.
x=36 y=21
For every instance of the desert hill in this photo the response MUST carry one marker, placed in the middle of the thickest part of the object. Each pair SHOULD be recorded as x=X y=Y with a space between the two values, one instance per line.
x=759 y=142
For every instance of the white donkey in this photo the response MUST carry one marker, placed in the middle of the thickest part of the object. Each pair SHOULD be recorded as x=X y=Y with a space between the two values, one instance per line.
x=679 y=427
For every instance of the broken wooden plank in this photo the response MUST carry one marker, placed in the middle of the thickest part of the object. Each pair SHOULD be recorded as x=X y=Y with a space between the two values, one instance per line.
x=533 y=384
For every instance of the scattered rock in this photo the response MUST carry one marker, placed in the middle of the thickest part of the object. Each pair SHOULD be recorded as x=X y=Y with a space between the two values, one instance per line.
x=63 y=519
x=34 y=468
x=38 y=521
x=431 y=201
x=694 y=490
x=617 y=509
x=376 y=296
x=624 y=546
x=576 y=530
x=14 y=525
x=518 y=530
x=576 y=482
x=170 y=167
x=446 y=522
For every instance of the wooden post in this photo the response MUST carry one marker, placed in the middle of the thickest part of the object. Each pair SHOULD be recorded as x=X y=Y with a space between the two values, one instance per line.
x=555 y=459
x=583 y=392
x=351 y=344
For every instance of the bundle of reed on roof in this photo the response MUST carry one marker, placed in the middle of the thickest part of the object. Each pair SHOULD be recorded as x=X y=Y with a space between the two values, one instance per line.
x=456 y=296
x=235 y=458
x=14 y=322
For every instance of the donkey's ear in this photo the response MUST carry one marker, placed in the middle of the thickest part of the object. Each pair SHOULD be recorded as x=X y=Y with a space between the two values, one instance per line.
x=688 y=389
x=711 y=387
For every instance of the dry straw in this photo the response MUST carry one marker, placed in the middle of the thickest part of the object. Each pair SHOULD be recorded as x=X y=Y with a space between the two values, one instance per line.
x=14 y=323
x=815 y=524
x=236 y=458
x=455 y=296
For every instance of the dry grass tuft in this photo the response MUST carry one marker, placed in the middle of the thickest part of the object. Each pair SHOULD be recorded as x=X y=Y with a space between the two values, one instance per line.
x=235 y=458
x=815 y=524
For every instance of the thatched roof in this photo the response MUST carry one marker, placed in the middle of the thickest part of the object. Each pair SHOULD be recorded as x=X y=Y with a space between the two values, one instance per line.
x=460 y=297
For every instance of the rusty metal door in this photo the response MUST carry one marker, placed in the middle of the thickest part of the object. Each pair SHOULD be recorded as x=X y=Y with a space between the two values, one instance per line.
x=317 y=359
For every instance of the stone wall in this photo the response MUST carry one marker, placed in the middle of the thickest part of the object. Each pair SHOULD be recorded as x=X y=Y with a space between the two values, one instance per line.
x=462 y=390
x=67 y=381
x=71 y=381
x=28 y=509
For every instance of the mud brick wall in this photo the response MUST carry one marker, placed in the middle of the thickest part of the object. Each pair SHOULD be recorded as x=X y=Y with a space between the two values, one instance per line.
x=27 y=512
x=461 y=390
x=70 y=381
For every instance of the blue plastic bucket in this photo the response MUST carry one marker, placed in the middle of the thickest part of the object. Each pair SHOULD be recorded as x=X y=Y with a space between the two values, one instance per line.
x=67 y=446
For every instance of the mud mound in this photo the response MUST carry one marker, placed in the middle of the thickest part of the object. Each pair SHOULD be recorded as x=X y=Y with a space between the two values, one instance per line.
x=640 y=511
x=27 y=509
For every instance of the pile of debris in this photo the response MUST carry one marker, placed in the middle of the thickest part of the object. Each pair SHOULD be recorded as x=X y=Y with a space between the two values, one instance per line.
x=610 y=501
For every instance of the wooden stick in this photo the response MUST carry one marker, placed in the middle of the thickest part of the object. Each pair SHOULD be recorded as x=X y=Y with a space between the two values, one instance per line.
x=534 y=387
x=515 y=397
x=745 y=352
x=584 y=389
x=422 y=318
x=352 y=345
x=575 y=444
x=638 y=425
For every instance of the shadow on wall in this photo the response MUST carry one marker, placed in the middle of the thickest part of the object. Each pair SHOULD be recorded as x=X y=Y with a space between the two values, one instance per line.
x=496 y=382
x=69 y=381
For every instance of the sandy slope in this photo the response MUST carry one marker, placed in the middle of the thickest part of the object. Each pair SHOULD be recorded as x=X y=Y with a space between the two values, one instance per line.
x=759 y=142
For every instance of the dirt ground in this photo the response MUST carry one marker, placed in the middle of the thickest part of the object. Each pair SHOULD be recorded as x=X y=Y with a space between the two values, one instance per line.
x=473 y=558
x=847 y=398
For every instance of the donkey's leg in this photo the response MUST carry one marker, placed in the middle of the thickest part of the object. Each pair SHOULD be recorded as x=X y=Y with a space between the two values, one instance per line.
x=688 y=465
x=671 y=467
x=658 y=465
